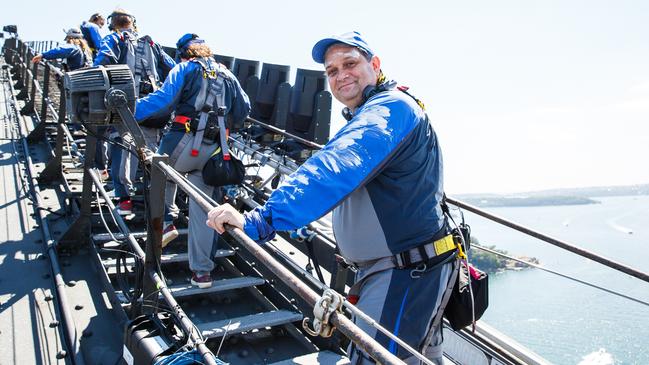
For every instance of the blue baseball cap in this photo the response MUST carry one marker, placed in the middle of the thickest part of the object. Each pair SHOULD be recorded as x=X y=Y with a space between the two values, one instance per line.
x=184 y=42
x=353 y=39
x=188 y=39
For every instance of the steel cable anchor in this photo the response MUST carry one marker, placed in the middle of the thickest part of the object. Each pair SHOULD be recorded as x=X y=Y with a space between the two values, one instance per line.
x=329 y=303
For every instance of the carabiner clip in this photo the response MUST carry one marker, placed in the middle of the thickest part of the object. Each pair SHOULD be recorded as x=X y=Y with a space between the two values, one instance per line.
x=418 y=271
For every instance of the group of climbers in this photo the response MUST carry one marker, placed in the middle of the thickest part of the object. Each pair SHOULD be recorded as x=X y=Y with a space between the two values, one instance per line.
x=381 y=174
x=150 y=66
x=182 y=87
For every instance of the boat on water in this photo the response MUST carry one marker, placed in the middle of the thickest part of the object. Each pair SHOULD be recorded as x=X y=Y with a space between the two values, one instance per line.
x=83 y=284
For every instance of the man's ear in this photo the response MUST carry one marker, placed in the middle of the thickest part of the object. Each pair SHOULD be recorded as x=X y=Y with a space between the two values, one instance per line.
x=376 y=64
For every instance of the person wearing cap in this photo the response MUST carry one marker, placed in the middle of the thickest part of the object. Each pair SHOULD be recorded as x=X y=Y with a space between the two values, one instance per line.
x=184 y=93
x=91 y=30
x=75 y=52
x=150 y=66
x=381 y=175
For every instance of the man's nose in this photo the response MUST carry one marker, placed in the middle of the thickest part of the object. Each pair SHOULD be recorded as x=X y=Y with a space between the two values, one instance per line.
x=342 y=75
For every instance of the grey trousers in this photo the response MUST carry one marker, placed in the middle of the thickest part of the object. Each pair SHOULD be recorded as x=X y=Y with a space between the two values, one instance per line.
x=406 y=307
x=201 y=240
x=129 y=161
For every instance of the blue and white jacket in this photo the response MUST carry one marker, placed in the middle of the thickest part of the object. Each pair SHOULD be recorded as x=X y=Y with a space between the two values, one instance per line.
x=92 y=34
x=381 y=174
x=183 y=90
x=73 y=55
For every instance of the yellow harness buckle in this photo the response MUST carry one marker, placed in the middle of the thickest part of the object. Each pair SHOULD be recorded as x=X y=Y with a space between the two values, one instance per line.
x=444 y=245
x=460 y=251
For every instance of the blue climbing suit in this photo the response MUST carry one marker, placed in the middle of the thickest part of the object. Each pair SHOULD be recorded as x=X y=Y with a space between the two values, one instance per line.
x=114 y=50
x=75 y=57
x=381 y=174
x=110 y=52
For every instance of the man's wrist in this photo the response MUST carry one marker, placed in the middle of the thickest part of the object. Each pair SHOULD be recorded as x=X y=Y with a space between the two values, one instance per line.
x=257 y=227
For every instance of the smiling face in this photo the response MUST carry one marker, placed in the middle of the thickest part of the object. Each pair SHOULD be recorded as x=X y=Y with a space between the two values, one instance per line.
x=349 y=73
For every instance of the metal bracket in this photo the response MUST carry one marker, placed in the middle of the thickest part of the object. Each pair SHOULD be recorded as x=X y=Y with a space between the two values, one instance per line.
x=154 y=218
x=52 y=171
x=78 y=233
x=38 y=133
x=28 y=109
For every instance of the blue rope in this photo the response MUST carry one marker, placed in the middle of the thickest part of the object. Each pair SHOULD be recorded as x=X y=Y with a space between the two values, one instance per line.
x=185 y=358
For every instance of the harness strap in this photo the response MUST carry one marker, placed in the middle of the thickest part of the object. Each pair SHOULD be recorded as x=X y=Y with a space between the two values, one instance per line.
x=442 y=305
x=424 y=252
x=202 y=121
x=216 y=91
x=139 y=66
x=184 y=120
x=142 y=68
x=223 y=131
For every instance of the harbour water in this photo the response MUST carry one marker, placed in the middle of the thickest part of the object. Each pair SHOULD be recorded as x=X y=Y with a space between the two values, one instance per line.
x=561 y=320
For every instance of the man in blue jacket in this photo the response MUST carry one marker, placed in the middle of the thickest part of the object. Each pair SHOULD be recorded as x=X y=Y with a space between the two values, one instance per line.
x=150 y=66
x=381 y=174
x=186 y=143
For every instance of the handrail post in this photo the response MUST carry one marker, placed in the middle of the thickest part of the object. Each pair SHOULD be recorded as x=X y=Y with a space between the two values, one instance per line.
x=155 y=209
x=46 y=93
x=52 y=170
x=28 y=109
x=78 y=233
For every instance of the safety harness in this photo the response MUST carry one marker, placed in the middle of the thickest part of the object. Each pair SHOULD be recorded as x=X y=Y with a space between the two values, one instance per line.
x=139 y=56
x=211 y=105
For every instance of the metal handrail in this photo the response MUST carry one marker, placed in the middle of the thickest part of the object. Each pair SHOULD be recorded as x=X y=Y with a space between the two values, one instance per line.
x=345 y=325
x=528 y=231
x=554 y=241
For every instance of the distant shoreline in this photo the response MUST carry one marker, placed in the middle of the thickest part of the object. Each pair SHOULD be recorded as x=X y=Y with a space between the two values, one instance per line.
x=532 y=201
x=554 y=197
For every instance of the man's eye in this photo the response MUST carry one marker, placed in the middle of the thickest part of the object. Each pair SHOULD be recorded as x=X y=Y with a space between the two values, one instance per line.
x=331 y=73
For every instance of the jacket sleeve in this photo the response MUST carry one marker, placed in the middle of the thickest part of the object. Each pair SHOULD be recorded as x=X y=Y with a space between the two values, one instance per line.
x=96 y=37
x=108 y=53
x=353 y=157
x=240 y=108
x=58 y=52
x=165 y=63
x=163 y=101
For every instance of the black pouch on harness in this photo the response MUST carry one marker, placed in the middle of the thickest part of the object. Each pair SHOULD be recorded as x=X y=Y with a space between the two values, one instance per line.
x=459 y=310
x=220 y=172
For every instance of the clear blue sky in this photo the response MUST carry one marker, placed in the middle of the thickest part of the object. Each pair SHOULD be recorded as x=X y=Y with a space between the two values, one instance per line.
x=524 y=95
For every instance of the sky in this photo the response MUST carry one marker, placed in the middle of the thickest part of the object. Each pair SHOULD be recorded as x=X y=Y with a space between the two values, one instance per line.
x=524 y=95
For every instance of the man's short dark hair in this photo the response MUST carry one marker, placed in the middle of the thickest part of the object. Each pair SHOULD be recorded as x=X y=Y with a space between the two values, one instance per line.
x=365 y=54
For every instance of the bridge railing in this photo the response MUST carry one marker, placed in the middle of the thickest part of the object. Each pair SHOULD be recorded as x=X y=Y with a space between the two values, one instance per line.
x=42 y=91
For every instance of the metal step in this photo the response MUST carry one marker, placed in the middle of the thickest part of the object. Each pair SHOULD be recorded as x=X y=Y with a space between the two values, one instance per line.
x=169 y=258
x=103 y=237
x=246 y=323
x=180 y=291
x=322 y=357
